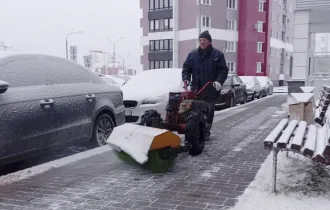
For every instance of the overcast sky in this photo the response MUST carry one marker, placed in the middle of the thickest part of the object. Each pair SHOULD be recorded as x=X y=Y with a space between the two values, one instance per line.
x=41 y=26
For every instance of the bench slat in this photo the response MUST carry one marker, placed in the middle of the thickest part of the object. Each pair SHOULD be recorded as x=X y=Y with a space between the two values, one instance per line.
x=320 y=146
x=299 y=134
x=310 y=143
x=326 y=152
x=274 y=135
x=287 y=133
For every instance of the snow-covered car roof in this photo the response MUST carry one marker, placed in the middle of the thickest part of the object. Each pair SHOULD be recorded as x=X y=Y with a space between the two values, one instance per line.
x=154 y=81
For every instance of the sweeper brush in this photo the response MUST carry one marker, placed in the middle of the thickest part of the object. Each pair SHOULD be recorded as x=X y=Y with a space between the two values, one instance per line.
x=153 y=143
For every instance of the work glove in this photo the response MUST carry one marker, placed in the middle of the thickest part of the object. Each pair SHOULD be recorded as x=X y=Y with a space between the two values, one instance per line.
x=217 y=85
x=186 y=81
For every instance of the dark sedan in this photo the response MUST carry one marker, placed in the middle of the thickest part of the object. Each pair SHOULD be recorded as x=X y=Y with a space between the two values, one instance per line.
x=47 y=101
x=233 y=92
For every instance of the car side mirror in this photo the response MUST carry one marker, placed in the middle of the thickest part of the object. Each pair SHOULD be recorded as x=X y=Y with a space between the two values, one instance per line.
x=237 y=84
x=3 y=86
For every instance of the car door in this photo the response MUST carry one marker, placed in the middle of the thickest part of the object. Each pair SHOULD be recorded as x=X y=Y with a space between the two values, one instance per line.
x=243 y=87
x=26 y=109
x=75 y=97
x=238 y=89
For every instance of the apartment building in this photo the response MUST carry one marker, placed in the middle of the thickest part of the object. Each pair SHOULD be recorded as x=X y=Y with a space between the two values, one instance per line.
x=255 y=35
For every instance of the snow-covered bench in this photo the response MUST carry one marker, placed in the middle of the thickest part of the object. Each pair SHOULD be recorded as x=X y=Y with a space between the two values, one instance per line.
x=321 y=105
x=311 y=141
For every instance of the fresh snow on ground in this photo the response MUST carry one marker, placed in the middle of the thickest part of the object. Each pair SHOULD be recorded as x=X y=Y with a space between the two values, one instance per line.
x=29 y=172
x=300 y=184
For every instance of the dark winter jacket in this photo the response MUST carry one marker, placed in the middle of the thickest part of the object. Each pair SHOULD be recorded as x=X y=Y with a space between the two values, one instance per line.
x=203 y=66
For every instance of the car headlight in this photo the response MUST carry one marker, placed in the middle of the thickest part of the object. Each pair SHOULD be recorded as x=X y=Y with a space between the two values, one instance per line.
x=152 y=100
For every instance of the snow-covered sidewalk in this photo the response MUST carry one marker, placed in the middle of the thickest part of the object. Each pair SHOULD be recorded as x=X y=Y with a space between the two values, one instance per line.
x=301 y=186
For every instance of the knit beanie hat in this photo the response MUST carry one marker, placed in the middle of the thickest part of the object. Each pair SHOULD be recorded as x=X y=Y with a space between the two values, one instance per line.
x=205 y=35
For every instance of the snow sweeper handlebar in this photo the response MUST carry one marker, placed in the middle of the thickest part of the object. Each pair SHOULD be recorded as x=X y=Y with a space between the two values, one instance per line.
x=201 y=90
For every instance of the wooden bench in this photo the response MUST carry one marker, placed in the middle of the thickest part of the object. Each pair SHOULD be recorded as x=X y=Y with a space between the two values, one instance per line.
x=321 y=105
x=311 y=141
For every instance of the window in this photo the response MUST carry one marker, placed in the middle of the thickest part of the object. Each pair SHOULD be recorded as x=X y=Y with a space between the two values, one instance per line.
x=232 y=4
x=259 y=47
x=206 y=21
x=231 y=66
x=283 y=36
x=161 y=25
x=205 y=2
x=163 y=45
x=160 y=64
x=232 y=25
x=155 y=5
x=260 y=26
x=258 y=67
x=231 y=47
x=261 y=5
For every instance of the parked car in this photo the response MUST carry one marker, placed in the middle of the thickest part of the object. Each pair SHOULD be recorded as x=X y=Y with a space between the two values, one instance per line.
x=254 y=90
x=150 y=90
x=267 y=84
x=47 y=102
x=233 y=91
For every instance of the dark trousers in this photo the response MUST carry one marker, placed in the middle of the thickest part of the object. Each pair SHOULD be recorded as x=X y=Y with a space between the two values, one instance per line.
x=210 y=117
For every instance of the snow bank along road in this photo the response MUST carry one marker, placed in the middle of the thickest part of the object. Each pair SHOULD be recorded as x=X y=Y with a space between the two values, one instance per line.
x=212 y=180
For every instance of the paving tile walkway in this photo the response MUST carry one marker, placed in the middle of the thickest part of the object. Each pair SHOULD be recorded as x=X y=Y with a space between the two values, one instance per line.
x=212 y=180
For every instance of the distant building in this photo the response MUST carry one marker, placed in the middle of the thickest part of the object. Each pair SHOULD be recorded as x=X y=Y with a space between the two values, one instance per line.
x=73 y=53
x=97 y=60
x=131 y=72
x=88 y=61
x=2 y=46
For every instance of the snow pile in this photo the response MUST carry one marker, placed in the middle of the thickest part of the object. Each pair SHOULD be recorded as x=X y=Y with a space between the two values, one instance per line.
x=29 y=172
x=301 y=186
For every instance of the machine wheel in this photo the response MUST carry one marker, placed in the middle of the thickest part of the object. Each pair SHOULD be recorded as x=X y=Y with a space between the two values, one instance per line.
x=195 y=133
x=103 y=128
x=148 y=117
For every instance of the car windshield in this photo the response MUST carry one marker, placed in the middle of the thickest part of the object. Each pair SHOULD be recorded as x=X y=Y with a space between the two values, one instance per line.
x=154 y=79
x=248 y=80
x=262 y=80
x=110 y=81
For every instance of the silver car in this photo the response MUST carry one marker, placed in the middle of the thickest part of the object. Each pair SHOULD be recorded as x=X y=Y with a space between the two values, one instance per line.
x=266 y=83
x=47 y=101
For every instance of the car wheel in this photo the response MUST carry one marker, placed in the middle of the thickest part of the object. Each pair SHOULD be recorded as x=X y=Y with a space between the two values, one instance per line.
x=253 y=96
x=260 y=94
x=103 y=128
x=244 y=98
x=232 y=102
x=151 y=118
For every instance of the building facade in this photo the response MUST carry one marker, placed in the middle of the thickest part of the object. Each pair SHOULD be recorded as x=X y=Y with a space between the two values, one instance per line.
x=97 y=60
x=255 y=35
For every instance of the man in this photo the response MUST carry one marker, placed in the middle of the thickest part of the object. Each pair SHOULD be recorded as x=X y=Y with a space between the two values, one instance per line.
x=202 y=65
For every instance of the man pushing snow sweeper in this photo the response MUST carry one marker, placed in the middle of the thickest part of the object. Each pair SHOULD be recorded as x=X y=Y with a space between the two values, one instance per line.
x=156 y=142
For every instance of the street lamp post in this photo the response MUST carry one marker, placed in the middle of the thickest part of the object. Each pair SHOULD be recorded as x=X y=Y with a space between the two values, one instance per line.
x=124 y=58
x=66 y=42
x=114 y=49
